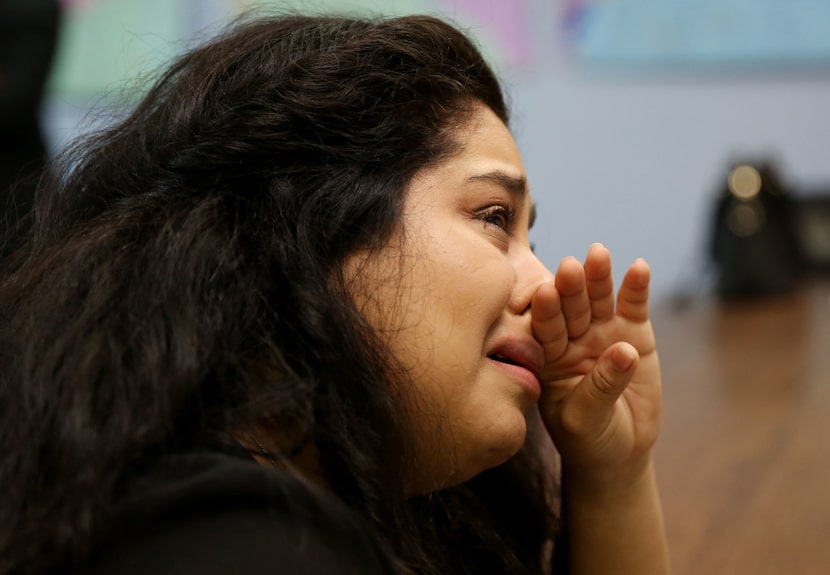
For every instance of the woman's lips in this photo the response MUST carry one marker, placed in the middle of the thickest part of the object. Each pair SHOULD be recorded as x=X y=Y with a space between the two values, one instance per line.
x=522 y=362
x=527 y=355
x=526 y=378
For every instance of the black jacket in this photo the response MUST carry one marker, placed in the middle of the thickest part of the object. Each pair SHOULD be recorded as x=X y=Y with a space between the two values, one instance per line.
x=211 y=513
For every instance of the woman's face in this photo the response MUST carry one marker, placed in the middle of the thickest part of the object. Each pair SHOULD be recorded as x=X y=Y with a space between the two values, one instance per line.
x=451 y=295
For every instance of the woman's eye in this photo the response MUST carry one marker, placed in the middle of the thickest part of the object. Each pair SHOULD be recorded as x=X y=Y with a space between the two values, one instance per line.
x=499 y=216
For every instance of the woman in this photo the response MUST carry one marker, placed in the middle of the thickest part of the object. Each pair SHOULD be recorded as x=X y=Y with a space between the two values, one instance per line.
x=285 y=316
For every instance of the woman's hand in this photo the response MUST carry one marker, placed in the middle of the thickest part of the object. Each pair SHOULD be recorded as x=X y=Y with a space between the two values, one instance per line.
x=601 y=382
x=601 y=405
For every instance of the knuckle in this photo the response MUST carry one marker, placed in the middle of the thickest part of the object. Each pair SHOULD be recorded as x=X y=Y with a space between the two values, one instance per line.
x=604 y=385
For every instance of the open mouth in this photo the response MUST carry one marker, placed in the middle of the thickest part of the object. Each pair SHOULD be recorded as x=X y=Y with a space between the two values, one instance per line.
x=518 y=370
x=502 y=359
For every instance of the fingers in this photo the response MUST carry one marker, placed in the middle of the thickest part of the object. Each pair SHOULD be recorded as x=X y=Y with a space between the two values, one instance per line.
x=548 y=322
x=632 y=299
x=589 y=408
x=599 y=282
x=586 y=295
x=576 y=307
x=587 y=292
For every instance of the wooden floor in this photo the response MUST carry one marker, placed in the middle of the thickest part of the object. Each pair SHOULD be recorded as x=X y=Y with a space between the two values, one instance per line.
x=744 y=452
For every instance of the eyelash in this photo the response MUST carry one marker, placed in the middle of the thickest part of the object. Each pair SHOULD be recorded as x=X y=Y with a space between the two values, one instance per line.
x=505 y=215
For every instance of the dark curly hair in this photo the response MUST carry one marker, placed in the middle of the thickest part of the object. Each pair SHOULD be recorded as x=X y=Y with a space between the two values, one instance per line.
x=183 y=280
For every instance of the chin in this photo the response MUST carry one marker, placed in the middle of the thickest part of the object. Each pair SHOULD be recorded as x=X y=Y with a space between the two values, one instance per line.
x=478 y=449
x=504 y=446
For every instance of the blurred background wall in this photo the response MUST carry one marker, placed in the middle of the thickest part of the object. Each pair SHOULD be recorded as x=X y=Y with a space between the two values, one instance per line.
x=629 y=113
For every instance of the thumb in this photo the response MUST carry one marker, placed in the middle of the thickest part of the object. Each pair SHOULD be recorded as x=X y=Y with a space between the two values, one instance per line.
x=592 y=402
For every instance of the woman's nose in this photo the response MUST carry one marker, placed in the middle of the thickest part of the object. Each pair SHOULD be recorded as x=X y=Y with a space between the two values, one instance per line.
x=530 y=274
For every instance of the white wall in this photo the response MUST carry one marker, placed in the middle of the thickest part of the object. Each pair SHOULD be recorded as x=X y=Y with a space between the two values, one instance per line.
x=634 y=159
x=635 y=162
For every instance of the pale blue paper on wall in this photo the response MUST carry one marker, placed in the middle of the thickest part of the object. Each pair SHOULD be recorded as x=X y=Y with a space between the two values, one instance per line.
x=705 y=32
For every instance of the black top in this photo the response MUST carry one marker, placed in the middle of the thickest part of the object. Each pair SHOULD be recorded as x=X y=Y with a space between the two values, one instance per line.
x=211 y=513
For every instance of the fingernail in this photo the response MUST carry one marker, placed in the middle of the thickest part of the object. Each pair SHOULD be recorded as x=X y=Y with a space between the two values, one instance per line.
x=623 y=357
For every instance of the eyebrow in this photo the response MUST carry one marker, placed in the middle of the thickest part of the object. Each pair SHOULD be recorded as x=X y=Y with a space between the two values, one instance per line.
x=514 y=184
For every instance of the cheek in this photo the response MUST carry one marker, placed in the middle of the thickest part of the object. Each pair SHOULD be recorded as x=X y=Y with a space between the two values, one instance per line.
x=482 y=283
x=377 y=284
x=450 y=306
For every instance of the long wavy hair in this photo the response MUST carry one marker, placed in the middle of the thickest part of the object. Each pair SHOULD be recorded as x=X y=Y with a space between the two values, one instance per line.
x=183 y=280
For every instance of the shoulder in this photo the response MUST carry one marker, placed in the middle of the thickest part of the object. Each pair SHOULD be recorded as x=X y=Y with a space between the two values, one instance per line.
x=219 y=514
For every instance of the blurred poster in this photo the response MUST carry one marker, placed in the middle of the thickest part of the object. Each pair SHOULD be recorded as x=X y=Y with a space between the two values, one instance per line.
x=106 y=44
x=706 y=33
x=507 y=26
x=501 y=27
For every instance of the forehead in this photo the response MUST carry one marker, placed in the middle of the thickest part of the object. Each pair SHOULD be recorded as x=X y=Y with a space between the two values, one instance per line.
x=487 y=161
x=485 y=139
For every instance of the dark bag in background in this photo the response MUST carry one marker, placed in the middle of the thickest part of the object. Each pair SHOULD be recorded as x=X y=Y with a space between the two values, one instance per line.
x=755 y=246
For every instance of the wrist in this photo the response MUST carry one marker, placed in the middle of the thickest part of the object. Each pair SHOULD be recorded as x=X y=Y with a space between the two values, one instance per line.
x=598 y=483
x=615 y=526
